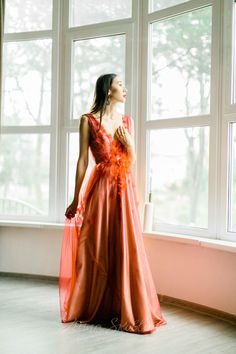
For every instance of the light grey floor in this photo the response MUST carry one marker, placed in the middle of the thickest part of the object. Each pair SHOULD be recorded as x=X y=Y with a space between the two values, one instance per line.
x=30 y=324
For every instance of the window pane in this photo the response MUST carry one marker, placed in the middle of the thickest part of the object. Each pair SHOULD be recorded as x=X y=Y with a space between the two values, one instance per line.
x=73 y=158
x=27 y=82
x=163 y=4
x=232 y=181
x=24 y=174
x=179 y=173
x=28 y=15
x=85 y=12
x=92 y=58
x=180 y=79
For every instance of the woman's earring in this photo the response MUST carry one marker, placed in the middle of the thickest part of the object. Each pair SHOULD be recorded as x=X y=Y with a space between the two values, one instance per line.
x=108 y=101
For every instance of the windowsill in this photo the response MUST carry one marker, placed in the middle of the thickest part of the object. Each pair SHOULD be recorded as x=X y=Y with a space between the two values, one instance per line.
x=30 y=224
x=194 y=240
x=223 y=245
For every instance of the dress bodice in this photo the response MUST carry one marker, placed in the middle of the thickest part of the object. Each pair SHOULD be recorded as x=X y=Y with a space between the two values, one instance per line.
x=110 y=155
x=102 y=143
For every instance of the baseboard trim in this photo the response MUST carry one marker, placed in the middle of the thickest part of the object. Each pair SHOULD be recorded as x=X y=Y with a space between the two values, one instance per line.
x=205 y=310
x=29 y=276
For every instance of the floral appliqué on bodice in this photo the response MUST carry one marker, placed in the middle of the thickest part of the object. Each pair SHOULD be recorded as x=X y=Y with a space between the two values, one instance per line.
x=110 y=155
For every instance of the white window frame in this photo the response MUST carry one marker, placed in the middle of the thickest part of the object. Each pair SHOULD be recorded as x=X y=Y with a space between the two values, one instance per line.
x=211 y=120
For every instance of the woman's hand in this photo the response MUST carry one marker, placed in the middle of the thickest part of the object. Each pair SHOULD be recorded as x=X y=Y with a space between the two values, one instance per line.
x=123 y=136
x=71 y=210
x=127 y=139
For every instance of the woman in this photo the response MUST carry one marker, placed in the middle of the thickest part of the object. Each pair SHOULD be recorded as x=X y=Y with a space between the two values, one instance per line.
x=104 y=271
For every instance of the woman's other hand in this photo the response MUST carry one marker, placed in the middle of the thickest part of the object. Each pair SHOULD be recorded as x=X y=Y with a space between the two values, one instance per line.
x=71 y=210
x=123 y=136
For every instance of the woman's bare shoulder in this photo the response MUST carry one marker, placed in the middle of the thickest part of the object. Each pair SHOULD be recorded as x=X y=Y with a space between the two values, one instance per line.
x=84 y=117
x=128 y=117
x=84 y=122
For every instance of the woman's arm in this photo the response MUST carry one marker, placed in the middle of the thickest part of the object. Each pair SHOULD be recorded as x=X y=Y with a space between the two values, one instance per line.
x=82 y=164
x=131 y=146
x=127 y=139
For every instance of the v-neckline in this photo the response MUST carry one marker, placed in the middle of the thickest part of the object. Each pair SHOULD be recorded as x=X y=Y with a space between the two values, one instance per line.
x=104 y=129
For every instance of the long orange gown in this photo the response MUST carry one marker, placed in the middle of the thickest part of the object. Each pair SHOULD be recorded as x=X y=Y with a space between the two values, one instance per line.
x=104 y=271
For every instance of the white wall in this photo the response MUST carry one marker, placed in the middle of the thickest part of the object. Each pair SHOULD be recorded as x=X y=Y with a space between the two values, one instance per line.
x=185 y=271
x=30 y=250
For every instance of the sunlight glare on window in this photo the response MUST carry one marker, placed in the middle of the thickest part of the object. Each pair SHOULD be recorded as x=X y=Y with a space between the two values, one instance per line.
x=28 y=15
x=180 y=79
x=179 y=160
x=27 y=82
x=24 y=174
x=155 y=5
x=85 y=12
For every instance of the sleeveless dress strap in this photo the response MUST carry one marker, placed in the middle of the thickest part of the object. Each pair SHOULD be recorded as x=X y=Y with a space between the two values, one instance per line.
x=127 y=121
x=90 y=120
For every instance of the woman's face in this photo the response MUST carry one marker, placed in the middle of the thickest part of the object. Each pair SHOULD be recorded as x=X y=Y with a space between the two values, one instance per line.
x=117 y=92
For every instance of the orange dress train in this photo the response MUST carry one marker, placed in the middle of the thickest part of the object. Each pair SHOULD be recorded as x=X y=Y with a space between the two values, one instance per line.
x=104 y=271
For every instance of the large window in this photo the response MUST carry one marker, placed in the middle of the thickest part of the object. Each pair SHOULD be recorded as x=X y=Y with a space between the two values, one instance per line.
x=53 y=53
x=189 y=158
x=180 y=87
x=179 y=106
x=178 y=60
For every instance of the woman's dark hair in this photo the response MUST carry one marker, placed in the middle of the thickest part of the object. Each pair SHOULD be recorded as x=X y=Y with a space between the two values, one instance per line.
x=100 y=99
